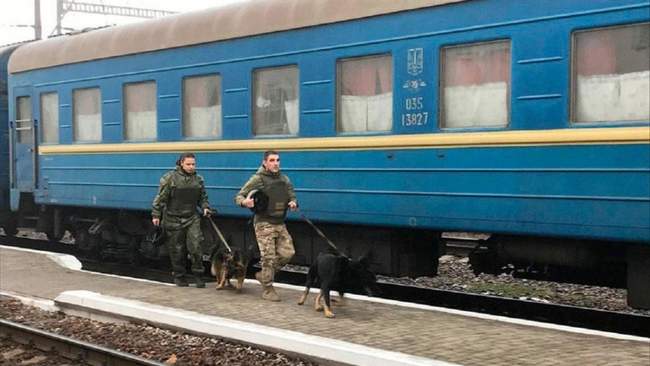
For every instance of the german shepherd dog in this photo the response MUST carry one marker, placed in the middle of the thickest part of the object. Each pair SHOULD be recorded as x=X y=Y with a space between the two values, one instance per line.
x=336 y=272
x=228 y=265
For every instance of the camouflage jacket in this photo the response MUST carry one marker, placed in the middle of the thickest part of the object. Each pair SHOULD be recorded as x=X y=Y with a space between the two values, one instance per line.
x=256 y=181
x=178 y=197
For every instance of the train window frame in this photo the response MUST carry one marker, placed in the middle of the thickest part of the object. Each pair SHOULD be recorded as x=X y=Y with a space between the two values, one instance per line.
x=24 y=134
x=441 y=86
x=75 y=123
x=338 y=96
x=55 y=127
x=573 y=90
x=254 y=96
x=219 y=121
x=125 y=111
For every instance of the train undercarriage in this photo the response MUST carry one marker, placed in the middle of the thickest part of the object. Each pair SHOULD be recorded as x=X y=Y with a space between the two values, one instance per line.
x=129 y=236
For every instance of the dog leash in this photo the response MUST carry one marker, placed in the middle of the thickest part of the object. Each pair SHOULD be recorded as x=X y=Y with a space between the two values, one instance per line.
x=223 y=240
x=329 y=242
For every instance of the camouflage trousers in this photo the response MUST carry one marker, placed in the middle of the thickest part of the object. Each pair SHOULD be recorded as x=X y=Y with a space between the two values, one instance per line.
x=276 y=249
x=182 y=241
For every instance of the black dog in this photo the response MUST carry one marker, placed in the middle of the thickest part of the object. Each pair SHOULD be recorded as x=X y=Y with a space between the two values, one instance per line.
x=339 y=273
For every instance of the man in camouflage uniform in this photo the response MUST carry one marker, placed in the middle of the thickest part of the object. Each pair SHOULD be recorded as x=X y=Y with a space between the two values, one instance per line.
x=181 y=192
x=273 y=239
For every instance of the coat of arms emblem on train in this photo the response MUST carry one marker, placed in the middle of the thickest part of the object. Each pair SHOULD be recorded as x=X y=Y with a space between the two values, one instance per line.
x=415 y=61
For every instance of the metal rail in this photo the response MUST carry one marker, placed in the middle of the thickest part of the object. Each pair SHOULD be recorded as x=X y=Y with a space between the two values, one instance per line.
x=69 y=348
x=603 y=320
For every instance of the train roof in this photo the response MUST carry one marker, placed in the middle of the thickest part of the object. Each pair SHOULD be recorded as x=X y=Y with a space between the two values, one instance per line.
x=5 y=52
x=251 y=17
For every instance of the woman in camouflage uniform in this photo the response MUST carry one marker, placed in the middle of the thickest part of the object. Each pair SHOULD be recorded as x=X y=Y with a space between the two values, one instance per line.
x=181 y=191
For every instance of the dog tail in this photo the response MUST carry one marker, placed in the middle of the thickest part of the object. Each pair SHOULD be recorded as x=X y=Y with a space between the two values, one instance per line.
x=213 y=268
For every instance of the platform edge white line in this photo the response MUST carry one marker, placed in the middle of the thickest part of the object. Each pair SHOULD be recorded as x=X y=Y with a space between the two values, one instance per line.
x=43 y=304
x=290 y=341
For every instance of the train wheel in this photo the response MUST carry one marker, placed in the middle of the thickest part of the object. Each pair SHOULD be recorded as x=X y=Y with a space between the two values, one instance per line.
x=88 y=244
x=10 y=227
x=484 y=262
x=51 y=237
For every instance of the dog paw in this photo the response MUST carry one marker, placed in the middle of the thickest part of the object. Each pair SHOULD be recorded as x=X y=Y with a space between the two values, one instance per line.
x=329 y=314
x=319 y=308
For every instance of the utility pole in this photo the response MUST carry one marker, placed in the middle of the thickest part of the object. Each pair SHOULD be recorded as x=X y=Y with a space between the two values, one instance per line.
x=59 y=16
x=38 y=29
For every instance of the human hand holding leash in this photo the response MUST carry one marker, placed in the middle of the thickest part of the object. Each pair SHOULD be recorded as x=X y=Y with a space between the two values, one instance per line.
x=293 y=206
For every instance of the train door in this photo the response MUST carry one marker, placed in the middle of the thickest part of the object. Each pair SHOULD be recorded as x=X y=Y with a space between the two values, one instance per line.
x=24 y=140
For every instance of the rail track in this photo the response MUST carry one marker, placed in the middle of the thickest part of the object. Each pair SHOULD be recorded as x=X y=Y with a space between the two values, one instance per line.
x=611 y=321
x=69 y=348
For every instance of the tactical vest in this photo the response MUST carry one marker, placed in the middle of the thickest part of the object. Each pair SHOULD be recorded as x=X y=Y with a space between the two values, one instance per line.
x=278 y=192
x=184 y=197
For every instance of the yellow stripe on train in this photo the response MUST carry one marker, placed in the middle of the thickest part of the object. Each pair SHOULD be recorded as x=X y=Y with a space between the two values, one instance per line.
x=615 y=135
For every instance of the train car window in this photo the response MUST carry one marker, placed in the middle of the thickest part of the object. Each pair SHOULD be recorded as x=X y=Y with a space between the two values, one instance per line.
x=611 y=74
x=24 y=120
x=276 y=101
x=50 y=118
x=87 y=115
x=140 y=111
x=475 y=85
x=202 y=106
x=364 y=94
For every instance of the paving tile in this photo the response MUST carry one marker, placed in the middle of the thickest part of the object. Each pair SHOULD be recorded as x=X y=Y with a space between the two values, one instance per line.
x=424 y=333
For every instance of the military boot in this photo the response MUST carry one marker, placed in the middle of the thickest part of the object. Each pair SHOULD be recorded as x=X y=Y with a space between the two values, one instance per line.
x=199 y=281
x=270 y=294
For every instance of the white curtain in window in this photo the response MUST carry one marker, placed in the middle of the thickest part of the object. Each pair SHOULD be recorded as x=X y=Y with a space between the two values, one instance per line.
x=276 y=109
x=475 y=85
x=624 y=97
x=364 y=93
x=366 y=113
x=140 y=111
x=481 y=105
x=204 y=122
x=140 y=126
x=202 y=106
x=87 y=123
x=291 y=106
x=88 y=128
x=50 y=118
x=380 y=112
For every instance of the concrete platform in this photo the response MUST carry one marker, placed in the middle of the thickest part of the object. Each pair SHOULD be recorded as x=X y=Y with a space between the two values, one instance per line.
x=365 y=332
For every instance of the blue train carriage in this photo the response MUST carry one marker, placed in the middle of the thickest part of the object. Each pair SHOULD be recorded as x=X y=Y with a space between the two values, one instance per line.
x=395 y=122
x=7 y=218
